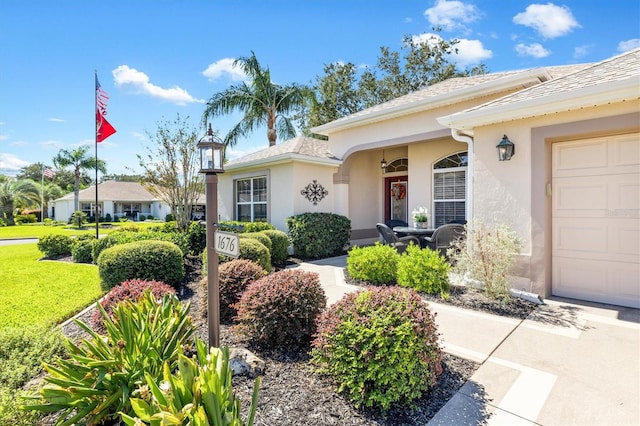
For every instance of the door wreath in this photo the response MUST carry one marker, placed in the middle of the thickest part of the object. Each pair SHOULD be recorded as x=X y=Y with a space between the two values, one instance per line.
x=399 y=191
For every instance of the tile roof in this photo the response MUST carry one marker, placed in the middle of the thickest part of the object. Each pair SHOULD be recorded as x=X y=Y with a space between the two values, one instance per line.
x=113 y=190
x=612 y=80
x=620 y=67
x=300 y=146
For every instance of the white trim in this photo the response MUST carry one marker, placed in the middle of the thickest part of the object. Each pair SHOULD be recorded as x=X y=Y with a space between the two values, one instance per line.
x=518 y=80
x=601 y=94
x=283 y=159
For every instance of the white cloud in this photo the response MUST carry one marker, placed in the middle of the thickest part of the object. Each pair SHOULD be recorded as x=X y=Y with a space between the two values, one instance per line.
x=581 y=51
x=224 y=67
x=452 y=14
x=548 y=20
x=56 y=120
x=536 y=50
x=470 y=52
x=139 y=82
x=139 y=136
x=52 y=144
x=627 y=45
x=11 y=163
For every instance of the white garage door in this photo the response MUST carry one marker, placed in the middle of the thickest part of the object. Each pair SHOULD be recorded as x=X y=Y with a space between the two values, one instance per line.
x=596 y=219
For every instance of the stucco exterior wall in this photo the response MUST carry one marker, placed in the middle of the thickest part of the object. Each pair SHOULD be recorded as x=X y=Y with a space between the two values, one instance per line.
x=514 y=192
x=284 y=183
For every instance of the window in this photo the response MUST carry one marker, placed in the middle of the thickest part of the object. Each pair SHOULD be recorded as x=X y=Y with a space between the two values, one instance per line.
x=251 y=199
x=399 y=165
x=449 y=189
x=89 y=209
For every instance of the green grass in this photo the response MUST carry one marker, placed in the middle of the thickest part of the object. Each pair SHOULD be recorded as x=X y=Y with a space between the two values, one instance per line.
x=37 y=230
x=42 y=293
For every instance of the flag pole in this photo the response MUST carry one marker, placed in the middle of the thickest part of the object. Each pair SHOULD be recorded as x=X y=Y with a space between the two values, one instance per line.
x=95 y=134
x=42 y=195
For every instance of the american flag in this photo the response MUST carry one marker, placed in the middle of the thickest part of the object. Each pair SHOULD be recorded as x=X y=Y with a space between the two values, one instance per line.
x=101 y=98
x=48 y=173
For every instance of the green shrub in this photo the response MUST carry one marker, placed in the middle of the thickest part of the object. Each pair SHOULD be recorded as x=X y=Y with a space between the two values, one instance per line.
x=10 y=412
x=380 y=345
x=170 y=218
x=107 y=217
x=280 y=309
x=487 y=255
x=142 y=218
x=94 y=384
x=250 y=249
x=200 y=393
x=279 y=245
x=424 y=270
x=25 y=218
x=318 y=235
x=240 y=227
x=82 y=249
x=235 y=276
x=196 y=237
x=377 y=264
x=22 y=350
x=135 y=234
x=263 y=238
x=132 y=290
x=53 y=245
x=146 y=260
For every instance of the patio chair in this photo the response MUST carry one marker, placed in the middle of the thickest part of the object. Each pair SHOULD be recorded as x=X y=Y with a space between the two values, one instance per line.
x=444 y=236
x=395 y=222
x=390 y=238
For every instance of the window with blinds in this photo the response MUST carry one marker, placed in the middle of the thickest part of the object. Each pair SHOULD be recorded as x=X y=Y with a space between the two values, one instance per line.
x=251 y=199
x=449 y=189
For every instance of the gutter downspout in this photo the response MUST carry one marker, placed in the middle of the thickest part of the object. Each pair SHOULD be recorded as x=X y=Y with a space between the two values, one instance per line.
x=468 y=139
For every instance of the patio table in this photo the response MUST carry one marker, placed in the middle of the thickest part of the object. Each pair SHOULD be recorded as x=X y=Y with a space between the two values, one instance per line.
x=416 y=232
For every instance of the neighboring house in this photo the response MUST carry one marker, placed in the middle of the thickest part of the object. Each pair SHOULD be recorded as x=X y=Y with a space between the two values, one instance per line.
x=571 y=192
x=122 y=199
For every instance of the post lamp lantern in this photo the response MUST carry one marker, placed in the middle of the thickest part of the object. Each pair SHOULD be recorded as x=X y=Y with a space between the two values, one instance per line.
x=211 y=156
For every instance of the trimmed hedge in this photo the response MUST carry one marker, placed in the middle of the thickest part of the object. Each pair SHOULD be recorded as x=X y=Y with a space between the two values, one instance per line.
x=319 y=235
x=147 y=260
x=279 y=245
x=55 y=245
x=250 y=249
x=377 y=264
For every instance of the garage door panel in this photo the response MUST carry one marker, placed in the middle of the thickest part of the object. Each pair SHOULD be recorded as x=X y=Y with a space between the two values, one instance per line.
x=580 y=158
x=579 y=238
x=598 y=281
x=625 y=156
x=584 y=196
x=596 y=219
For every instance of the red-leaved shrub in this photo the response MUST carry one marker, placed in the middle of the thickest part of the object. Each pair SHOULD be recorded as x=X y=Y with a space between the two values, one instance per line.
x=235 y=276
x=280 y=310
x=128 y=290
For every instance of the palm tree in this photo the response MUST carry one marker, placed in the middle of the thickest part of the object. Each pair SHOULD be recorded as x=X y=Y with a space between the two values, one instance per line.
x=79 y=161
x=13 y=192
x=262 y=101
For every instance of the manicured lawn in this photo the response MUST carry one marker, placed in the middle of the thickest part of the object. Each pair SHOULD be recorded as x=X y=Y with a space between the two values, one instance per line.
x=44 y=293
x=37 y=230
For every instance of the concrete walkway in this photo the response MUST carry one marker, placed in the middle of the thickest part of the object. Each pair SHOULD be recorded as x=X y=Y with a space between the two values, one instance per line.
x=568 y=363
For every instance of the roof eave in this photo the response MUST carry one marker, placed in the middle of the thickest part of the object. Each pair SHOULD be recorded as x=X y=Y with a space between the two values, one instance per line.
x=282 y=159
x=526 y=78
x=602 y=94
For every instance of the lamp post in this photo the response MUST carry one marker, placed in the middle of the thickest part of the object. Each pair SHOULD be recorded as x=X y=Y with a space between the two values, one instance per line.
x=211 y=154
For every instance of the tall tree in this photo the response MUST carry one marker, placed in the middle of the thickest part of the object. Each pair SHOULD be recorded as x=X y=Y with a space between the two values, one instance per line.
x=14 y=192
x=79 y=162
x=261 y=100
x=171 y=167
x=342 y=90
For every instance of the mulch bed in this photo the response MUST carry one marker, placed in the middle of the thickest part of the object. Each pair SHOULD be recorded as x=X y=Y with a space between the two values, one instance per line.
x=292 y=394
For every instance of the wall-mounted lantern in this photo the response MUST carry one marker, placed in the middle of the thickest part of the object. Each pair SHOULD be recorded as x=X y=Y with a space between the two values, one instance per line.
x=506 y=149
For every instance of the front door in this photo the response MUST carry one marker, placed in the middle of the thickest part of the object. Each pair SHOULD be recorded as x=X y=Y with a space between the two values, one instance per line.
x=395 y=198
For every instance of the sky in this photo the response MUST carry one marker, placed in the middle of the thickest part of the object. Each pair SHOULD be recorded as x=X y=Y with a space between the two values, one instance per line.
x=158 y=59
